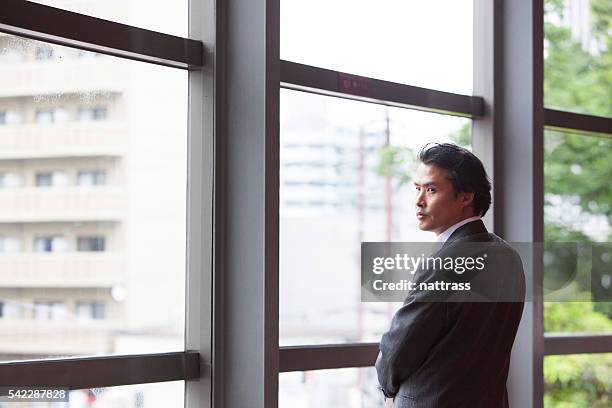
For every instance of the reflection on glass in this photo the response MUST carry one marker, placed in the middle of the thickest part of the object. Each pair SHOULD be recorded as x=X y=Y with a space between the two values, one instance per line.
x=340 y=388
x=579 y=380
x=345 y=178
x=578 y=56
x=420 y=43
x=92 y=203
x=165 y=16
x=578 y=208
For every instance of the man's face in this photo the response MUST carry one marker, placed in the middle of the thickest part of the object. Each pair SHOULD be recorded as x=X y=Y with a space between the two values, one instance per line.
x=437 y=206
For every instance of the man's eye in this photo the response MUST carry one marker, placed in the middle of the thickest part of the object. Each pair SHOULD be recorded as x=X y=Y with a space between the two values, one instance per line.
x=431 y=190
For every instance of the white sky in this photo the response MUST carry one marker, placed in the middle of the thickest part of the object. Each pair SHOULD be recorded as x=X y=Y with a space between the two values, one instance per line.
x=421 y=43
x=424 y=43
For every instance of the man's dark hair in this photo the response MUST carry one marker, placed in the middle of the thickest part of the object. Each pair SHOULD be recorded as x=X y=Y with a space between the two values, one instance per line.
x=465 y=171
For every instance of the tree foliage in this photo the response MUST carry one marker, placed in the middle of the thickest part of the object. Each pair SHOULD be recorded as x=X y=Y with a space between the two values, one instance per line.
x=578 y=170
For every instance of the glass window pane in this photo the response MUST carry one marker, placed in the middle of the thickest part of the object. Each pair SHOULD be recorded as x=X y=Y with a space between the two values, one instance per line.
x=168 y=17
x=155 y=395
x=91 y=243
x=578 y=56
x=93 y=225
x=578 y=208
x=421 y=43
x=578 y=380
x=340 y=388
x=91 y=177
x=335 y=193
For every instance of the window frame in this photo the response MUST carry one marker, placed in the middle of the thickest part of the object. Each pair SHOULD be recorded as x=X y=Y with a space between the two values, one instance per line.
x=494 y=44
x=588 y=125
x=325 y=82
x=214 y=171
x=87 y=33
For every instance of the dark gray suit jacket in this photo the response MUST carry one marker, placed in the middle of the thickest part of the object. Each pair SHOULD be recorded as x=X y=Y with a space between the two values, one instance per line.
x=455 y=353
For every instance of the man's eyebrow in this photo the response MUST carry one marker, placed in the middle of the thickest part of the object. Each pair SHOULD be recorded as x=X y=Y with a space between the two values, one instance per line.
x=425 y=185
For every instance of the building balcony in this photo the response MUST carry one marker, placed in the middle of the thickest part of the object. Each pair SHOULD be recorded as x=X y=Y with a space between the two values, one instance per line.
x=64 y=270
x=55 y=337
x=71 y=76
x=56 y=204
x=62 y=140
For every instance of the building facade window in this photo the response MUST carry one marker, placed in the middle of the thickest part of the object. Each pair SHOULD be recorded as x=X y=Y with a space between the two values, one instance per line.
x=44 y=179
x=50 y=243
x=44 y=116
x=9 y=245
x=88 y=309
x=44 y=53
x=92 y=113
x=51 y=178
x=91 y=243
x=47 y=116
x=9 y=117
x=8 y=180
x=91 y=177
x=12 y=310
x=47 y=310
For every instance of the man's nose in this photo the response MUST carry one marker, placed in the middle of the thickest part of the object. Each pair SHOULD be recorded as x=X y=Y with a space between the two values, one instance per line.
x=420 y=199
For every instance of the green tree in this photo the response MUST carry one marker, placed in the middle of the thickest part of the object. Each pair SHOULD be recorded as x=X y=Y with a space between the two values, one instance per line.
x=463 y=137
x=397 y=163
x=577 y=172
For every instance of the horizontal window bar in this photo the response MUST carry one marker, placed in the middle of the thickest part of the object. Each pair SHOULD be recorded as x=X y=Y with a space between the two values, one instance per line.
x=577 y=122
x=107 y=371
x=577 y=343
x=333 y=83
x=321 y=357
x=44 y=23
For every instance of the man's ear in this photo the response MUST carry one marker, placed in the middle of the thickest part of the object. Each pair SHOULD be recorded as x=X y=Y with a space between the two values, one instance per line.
x=467 y=199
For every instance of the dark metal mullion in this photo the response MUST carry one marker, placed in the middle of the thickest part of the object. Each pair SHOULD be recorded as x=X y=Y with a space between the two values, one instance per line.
x=327 y=82
x=66 y=28
x=577 y=122
x=106 y=371
x=556 y=344
x=328 y=356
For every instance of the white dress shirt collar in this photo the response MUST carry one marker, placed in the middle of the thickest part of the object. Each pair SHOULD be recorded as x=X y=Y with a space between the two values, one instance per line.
x=443 y=237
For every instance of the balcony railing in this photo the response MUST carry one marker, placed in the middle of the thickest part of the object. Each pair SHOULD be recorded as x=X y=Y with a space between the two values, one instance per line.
x=62 y=140
x=64 y=270
x=52 y=79
x=54 y=338
x=54 y=204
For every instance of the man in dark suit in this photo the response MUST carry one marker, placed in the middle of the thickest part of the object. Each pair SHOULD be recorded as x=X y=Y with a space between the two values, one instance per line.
x=444 y=349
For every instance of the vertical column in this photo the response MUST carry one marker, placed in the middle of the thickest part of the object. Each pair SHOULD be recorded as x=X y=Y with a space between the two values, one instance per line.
x=487 y=130
x=246 y=301
x=522 y=177
x=508 y=73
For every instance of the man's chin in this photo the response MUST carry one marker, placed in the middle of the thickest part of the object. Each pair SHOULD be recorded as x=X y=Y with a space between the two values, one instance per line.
x=423 y=226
